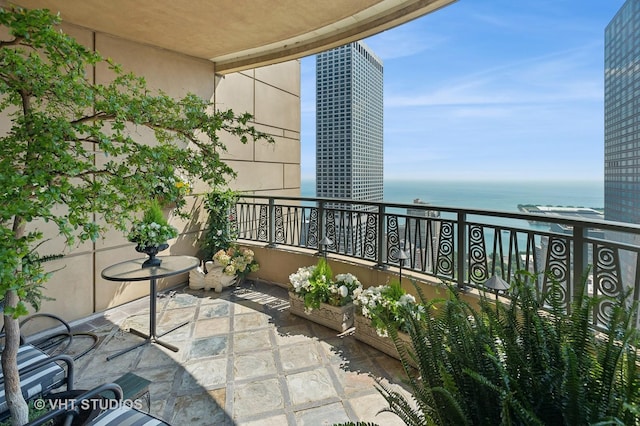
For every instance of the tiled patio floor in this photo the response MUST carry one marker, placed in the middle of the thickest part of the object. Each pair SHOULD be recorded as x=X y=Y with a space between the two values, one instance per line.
x=243 y=360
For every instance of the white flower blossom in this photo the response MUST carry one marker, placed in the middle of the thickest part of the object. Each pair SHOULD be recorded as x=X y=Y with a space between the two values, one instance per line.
x=344 y=291
x=406 y=299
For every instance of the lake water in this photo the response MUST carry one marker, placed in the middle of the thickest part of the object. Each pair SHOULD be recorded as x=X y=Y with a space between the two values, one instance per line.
x=499 y=196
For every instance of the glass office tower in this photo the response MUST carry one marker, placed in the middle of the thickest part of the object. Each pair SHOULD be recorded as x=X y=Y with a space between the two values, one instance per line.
x=349 y=127
x=622 y=127
x=622 y=115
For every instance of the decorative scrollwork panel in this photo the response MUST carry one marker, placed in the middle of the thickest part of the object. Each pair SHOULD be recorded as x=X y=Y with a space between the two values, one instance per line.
x=478 y=270
x=313 y=229
x=558 y=264
x=279 y=236
x=371 y=238
x=263 y=224
x=606 y=280
x=446 y=249
x=393 y=239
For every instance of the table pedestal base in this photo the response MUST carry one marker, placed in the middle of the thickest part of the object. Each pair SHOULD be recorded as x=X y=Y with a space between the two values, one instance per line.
x=132 y=271
x=149 y=339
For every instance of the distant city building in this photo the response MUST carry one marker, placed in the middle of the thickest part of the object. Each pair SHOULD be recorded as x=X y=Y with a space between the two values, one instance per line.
x=349 y=124
x=622 y=115
x=622 y=125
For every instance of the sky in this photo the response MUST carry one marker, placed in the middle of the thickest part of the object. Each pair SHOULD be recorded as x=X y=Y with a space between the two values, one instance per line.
x=489 y=90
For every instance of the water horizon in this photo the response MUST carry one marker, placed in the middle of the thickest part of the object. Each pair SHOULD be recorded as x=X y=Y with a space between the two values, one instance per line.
x=487 y=195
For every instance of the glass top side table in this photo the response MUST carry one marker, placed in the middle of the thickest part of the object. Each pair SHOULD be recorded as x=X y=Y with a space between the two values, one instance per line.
x=132 y=270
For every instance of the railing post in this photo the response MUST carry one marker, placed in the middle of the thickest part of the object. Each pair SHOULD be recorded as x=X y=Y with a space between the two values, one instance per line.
x=380 y=252
x=271 y=220
x=580 y=254
x=462 y=249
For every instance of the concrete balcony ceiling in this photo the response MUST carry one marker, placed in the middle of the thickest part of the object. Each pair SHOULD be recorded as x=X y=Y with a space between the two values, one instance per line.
x=240 y=34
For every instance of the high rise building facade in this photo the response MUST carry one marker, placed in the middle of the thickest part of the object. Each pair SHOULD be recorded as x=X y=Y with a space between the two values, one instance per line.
x=622 y=127
x=349 y=123
x=622 y=115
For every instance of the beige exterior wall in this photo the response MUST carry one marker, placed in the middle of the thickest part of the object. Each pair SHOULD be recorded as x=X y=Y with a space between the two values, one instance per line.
x=271 y=94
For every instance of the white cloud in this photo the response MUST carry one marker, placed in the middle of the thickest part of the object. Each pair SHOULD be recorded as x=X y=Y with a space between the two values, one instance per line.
x=407 y=40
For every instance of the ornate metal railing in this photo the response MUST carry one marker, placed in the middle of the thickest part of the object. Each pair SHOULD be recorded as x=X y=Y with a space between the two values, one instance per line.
x=463 y=246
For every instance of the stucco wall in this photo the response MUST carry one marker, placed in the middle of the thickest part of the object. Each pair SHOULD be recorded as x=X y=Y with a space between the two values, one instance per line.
x=271 y=94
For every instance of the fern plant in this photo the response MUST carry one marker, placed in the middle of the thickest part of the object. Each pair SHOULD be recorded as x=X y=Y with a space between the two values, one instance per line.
x=526 y=362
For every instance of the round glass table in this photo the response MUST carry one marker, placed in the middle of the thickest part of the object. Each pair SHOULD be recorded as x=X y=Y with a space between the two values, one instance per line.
x=132 y=270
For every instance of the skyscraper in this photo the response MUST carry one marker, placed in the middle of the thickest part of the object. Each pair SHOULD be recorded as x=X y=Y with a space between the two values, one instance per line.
x=349 y=128
x=622 y=115
x=622 y=126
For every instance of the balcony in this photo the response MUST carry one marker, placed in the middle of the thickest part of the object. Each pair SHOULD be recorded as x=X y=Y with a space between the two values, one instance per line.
x=243 y=359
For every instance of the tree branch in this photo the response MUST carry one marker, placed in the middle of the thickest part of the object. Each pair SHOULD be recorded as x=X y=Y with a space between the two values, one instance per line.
x=15 y=42
x=94 y=117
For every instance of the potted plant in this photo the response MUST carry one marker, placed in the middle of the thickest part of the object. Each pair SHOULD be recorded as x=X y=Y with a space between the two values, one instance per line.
x=228 y=266
x=152 y=233
x=236 y=261
x=381 y=309
x=315 y=294
x=171 y=188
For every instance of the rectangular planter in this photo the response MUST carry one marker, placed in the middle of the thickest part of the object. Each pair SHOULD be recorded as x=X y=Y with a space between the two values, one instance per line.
x=339 y=318
x=367 y=334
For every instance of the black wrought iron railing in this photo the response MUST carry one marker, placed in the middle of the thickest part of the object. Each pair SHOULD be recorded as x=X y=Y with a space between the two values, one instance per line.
x=463 y=246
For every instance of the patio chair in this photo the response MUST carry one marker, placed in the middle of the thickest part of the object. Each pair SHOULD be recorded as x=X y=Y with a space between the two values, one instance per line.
x=119 y=412
x=39 y=375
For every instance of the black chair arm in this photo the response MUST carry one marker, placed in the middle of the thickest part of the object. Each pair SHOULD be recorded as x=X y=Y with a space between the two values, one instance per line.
x=57 y=358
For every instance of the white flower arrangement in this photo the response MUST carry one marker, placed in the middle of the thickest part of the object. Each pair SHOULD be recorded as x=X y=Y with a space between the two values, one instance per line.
x=383 y=304
x=315 y=285
x=153 y=230
x=236 y=261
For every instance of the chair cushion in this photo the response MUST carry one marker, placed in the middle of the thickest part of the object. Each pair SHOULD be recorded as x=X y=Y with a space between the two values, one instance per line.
x=37 y=382
x=124 y=415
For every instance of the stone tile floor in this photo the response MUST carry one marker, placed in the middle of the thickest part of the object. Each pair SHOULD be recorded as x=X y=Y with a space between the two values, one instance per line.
x=243 y=359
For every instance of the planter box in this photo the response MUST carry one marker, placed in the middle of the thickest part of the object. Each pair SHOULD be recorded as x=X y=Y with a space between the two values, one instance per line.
x=367 y=334
x=339 y=318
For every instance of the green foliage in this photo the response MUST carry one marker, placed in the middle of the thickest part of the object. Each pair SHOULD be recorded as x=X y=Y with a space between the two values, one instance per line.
x=78 y=154
x=221 y=230
x=153 y=213
x=320 y=279
x=528 y=362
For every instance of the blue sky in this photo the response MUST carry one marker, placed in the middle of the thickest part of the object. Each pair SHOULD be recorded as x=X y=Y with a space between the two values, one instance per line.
x=489 y=90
